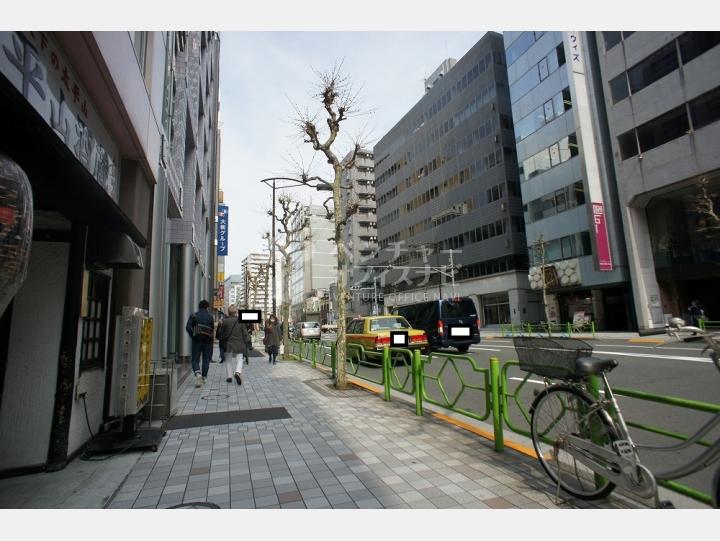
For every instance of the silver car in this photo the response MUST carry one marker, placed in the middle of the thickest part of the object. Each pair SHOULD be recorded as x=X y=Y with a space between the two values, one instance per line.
x=308 y=330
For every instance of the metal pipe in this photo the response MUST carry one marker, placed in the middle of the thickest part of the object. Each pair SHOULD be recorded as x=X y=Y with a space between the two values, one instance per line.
x=274 y=281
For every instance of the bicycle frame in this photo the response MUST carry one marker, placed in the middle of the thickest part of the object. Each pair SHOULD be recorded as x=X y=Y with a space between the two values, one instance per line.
x=623 y=466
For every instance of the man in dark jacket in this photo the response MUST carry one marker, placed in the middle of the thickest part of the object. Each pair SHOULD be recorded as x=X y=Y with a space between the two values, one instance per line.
x=201 y=326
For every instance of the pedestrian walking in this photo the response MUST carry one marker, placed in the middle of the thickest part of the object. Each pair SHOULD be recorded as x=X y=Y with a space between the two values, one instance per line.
x=248 y=343
x=234 y=338
x=200 y=327
x=272 y=338
x=220 y=342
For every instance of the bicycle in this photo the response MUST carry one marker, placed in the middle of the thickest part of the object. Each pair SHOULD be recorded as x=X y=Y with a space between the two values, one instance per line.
x=582 y=441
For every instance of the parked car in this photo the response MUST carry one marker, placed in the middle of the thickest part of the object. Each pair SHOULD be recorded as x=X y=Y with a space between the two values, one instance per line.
x=373 y=332
x=328 y=328
x=307 y=330
x=436 y=317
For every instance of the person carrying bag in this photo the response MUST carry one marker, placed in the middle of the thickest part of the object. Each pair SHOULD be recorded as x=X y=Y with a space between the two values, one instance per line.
x=233 y=340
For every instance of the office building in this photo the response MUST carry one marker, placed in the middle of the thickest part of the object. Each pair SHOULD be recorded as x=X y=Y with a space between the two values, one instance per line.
x=314 y=266
x=448 y=196
x=662 y=95
x=567 y=179
x=360 y=233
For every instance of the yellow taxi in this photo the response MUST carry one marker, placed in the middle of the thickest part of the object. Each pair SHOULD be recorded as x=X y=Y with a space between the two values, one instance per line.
x=373 y=332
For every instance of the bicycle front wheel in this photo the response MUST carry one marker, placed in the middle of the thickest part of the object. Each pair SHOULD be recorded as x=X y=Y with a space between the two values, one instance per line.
x=559 y=411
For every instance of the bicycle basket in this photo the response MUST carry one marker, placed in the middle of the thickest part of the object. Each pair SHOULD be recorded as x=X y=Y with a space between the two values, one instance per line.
x=550 y=357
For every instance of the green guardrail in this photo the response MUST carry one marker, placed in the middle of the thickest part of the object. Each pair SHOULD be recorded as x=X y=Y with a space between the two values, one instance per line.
x=569 y=330
x=407 y=371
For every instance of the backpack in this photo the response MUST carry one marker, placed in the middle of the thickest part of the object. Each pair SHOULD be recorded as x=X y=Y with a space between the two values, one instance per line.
x=204 y=333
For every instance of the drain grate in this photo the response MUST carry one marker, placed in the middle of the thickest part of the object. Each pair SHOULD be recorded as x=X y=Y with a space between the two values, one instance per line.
x=226 y=418
x=328 y=389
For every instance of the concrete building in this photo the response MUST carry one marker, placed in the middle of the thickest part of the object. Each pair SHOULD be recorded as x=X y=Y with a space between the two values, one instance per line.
x=447 y=193
x=314 y=266
x=566 y=177
x=256 y=276
x=186 y=195
x=82 y=116
x=234 y=291
x=662 y=91
x=360 y=234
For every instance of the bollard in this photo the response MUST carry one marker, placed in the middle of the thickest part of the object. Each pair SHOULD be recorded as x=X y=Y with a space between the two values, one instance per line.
x=386 y=373
x=333 y=359
x=417 y=372
x=569 y=329
x=495 y=393
x=313 y=354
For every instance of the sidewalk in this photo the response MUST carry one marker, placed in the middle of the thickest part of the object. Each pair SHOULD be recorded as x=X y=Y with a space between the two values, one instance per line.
x=338 y=449
x=334 y=449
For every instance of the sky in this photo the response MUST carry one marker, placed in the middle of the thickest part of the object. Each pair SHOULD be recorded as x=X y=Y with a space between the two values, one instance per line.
x=262 y=74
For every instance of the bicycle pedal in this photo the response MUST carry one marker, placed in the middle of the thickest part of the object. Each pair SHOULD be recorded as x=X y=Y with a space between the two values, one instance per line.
x=665 y=504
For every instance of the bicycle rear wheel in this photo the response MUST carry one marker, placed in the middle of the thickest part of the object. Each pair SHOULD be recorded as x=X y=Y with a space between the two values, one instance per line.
x=561 y=410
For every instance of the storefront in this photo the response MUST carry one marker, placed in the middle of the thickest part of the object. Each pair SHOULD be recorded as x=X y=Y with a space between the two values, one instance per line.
x=84 y=259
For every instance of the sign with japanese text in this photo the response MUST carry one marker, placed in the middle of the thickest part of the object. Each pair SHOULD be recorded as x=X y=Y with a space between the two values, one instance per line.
x=575 y=52
x=604 y=256
x=36 y=65
x=222 y=230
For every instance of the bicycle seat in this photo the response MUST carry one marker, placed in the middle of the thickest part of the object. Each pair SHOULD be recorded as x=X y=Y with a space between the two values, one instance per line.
x=587 y=366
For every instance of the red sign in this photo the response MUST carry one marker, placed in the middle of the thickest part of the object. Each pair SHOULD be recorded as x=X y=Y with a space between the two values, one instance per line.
x=604 y=257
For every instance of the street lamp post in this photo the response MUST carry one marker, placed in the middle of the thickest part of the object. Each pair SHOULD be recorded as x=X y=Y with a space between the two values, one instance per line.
x=286 y=183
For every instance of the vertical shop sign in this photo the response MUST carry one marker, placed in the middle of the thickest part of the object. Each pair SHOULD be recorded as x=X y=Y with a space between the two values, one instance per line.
x=222 y=232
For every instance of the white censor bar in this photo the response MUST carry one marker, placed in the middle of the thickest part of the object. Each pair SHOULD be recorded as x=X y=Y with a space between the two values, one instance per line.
x=398 y=338
x=460 y=331
x=251 y=316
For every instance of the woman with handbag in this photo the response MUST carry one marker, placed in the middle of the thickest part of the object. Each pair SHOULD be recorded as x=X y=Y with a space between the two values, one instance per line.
x=272 y=338
x=234 y=337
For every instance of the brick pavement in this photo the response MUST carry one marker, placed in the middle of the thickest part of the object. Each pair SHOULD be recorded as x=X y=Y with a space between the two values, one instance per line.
x=339 y=450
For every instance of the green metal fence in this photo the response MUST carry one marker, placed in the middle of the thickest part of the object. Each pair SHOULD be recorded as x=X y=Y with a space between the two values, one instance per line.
x=548 y=329
x=430 y=378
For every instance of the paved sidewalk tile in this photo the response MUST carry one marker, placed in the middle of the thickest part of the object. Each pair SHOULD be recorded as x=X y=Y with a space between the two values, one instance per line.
x=335 y=451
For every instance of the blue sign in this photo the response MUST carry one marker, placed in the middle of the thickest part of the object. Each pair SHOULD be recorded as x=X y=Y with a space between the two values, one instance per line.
x=222 y=231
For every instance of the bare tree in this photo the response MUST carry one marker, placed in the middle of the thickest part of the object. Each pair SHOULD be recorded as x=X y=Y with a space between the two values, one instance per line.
x=292 y=222
x=704 y=207
x=339 y=102
x=539 y=247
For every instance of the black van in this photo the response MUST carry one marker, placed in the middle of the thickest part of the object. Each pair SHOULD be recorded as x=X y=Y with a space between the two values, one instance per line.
x=436 y=317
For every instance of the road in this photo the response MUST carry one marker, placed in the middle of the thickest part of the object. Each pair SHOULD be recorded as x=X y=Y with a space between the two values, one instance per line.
x=677 y=369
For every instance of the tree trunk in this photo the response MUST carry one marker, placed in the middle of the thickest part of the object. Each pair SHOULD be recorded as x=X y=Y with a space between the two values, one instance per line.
x=341 y=378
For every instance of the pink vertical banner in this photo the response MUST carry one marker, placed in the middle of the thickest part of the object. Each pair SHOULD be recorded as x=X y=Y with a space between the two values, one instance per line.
x=604 y=256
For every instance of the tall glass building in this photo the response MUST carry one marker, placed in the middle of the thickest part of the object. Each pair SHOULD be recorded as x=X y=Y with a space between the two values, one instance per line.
x=567 y=180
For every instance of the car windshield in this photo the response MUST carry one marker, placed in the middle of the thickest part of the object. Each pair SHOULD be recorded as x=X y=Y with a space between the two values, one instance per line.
x=459 y=308
x=310 y=325
x=389 y=323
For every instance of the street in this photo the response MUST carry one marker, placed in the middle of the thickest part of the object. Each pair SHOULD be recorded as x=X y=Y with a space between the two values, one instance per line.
x=671 y=369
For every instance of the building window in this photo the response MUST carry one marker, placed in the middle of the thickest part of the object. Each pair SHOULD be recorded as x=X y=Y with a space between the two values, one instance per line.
x=662 y=129
x=705 y=109
x=654 y=67
x=619 y=87
x=523 y=42
x=140 y=44
x=94 y=322
x=538 y=72
x=693 y=44
x=613 y=38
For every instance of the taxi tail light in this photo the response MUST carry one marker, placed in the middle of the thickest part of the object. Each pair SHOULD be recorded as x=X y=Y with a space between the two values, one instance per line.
x=382 y=341
x=418 y=338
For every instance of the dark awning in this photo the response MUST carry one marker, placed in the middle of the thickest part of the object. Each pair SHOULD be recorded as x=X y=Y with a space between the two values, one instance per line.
x=60 y=183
